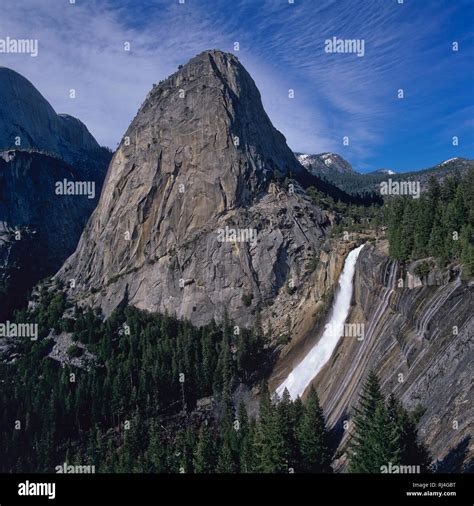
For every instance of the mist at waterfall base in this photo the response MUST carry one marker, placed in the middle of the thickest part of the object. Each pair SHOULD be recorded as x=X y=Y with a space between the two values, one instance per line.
x=302 y=375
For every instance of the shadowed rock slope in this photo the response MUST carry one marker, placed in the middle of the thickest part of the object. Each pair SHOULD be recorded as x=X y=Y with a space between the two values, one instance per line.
x=39 y=229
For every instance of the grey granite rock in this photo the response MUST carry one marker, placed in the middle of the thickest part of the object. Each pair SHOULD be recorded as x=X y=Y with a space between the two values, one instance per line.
x=28 y=122
x=201 y=155
x=38 y=148
x=420 y=342
x=39 y=229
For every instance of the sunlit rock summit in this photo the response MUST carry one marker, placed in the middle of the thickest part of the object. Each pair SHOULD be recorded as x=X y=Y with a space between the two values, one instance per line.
x=200 y=170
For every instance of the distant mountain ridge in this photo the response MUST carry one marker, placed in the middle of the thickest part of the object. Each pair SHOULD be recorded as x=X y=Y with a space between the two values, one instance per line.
x=356 y=183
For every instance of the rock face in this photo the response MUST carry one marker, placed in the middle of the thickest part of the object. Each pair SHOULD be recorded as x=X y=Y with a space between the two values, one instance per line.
x=39 y=228
x=419 y=340
x=192 y=219
x=27 y=121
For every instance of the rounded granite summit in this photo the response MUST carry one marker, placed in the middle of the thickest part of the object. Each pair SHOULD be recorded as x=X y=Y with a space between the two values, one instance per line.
x=200 y=161
x=28 y=121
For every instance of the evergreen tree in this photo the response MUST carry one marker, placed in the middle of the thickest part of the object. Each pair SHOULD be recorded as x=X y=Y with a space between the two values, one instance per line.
x=269 y=443
x=408 y=229
x=225 y=462
x=313 y=437
x=437 y=243
x=423 y=225
x=204 y=457
x=395 y=228
x=412 y=452
x=288 y=421
x=364 y=439
x=156 y=452
x=384 y=433
x=385 y=440
x=467 y=249
x=247 y=450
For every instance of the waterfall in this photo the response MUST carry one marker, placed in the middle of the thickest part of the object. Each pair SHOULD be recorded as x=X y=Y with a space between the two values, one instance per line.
x=302 y=375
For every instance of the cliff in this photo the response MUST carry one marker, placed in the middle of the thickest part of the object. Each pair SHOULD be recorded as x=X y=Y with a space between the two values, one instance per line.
x=194 y=219
x=29 y=122
x=419 y=340
x=39 y=229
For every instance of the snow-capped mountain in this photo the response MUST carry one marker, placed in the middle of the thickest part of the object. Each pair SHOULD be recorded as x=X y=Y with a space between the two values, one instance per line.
x=324 y=163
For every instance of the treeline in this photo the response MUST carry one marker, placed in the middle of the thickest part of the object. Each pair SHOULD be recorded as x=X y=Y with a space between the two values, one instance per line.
x=360 y=185
x=145 y=365
x=287 y=437
x=439 y=224
x=350 y=217
x=333 y=191
x=134 y=406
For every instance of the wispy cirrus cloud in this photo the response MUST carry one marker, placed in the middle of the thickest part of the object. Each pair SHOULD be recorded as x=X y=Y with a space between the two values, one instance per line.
x=82 y=47
x=282 y=45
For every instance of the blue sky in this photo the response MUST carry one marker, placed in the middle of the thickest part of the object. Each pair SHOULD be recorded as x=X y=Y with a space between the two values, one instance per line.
x=407 y=46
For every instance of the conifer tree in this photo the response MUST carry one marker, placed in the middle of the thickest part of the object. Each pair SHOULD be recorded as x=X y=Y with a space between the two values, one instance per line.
x=364 y=439
x=247 y=448
x=385 y=440
x=395 y=228
x=204 y=456
x=156 y=455
x=412 y=452
x=313 y=437
x=408 y=229
x=467 y=249
x=437 y=243
x=288 y=422
x=269 y=443
x=384 y=433
x=225 y=462
x=423 y=225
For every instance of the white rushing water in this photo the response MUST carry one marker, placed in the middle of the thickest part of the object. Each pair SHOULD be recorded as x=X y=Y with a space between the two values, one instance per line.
x=302 y=375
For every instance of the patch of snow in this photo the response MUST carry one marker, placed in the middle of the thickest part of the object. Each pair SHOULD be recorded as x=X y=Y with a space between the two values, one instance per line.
x=450 y=160
x=304 y=159
x=384 y=171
